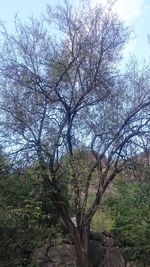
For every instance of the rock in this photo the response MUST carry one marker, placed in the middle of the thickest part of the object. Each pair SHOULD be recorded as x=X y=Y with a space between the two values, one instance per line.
x=104 y=251
x=113 y=258
x=55 y=255
x=62 y=255
x=97 y=236
x=136 y=264
x=109 y=240
x=96 y=252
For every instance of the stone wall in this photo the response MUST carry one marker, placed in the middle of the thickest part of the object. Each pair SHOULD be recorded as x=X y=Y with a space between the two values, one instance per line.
x=104 y=252
x=136 y=264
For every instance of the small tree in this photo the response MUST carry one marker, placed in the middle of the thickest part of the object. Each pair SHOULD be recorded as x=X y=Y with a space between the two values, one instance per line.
x=62 y=93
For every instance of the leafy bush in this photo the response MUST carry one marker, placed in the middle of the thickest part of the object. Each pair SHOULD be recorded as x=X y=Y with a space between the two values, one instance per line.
x=102 y=221
x=22 y=218
x=130 y=207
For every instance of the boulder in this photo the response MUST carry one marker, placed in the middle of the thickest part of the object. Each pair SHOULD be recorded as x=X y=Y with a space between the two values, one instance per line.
x=62 y=255
x=136 y=264
x=98 y=236
x=104 y=251
x=96 y=252
x=113 y=258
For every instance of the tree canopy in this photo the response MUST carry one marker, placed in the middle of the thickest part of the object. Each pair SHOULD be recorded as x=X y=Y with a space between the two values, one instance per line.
x=62 y=92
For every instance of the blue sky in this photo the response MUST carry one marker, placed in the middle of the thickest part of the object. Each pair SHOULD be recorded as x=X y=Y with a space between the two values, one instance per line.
x=134 y=12
x=26 y=8
x=137 y=14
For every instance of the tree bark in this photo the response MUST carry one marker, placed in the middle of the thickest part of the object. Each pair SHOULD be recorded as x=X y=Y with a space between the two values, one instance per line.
x=80 y=240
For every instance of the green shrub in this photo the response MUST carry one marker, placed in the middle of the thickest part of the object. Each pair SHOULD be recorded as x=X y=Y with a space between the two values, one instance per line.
x=130 y=208
x=102 y=221
x=22 y=218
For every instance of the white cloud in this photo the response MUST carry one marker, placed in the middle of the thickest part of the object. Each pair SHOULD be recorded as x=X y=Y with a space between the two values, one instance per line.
x=129 y=10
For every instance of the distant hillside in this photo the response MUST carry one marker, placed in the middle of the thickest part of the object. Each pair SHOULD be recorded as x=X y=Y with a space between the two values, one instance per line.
x=138 y=167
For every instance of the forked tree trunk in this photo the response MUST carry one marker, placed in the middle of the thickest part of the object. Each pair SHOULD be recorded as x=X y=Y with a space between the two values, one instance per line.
x=82 y=254
x=81 y=243
x=80 y=240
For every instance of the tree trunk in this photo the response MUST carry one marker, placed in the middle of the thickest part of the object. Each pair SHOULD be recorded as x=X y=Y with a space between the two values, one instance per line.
x=85 y=262
x=82 y=255
x=80 y=240
x=81 y=243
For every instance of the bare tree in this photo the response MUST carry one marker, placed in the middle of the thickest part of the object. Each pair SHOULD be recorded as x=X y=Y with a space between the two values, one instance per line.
x=62 y=93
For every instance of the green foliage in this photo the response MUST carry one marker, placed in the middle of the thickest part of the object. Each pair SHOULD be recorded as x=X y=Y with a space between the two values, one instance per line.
x=130 y=207
x=73 y=177
x=91 y=197
x=102 y=221
x=22 y=219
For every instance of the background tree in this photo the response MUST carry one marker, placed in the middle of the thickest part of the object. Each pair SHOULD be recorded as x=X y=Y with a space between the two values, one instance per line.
x=62 y=93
